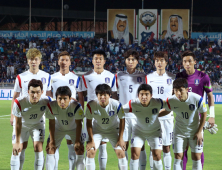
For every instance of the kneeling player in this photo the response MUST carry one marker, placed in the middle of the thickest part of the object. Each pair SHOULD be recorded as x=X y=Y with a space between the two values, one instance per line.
x=69 y=115
x=28 y=112
x=146 y=110
x=187 y=129
x=106 y=112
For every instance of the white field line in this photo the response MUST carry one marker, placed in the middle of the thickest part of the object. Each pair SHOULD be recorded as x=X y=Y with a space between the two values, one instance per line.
x=5 y=115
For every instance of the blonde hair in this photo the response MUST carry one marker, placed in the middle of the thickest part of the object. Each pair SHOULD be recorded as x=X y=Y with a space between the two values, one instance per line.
x=33 y=52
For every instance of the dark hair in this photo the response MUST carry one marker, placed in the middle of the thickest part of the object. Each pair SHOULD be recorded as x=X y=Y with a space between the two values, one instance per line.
x=63 y=90
x=103 y=89
x=160 y=54
x=63 y=54
x=188 y=53
x=180 y=82
x=145 y=87
x=133 y=53
x=35 y=83
x=99 y=52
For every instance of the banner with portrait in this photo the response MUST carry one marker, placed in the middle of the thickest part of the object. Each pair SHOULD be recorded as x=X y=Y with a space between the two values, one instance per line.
x=175 y=23
x=121 y=25
x=148 y=25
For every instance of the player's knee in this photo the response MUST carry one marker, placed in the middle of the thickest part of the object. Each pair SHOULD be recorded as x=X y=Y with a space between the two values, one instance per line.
x=156 y=155
x=166 y=149
x=69 y=142
x=24 y=145
x=134 y=156
x=178 y=155
x=103 y=143
x=91 y=153
x=38 y=147
x=120 y=153
x=196 y=156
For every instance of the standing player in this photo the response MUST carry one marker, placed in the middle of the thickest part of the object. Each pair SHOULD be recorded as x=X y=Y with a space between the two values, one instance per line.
x=188 y=128
x=89 y=82
x=106 y=112
x=69 y=115
x=65 y=78
x=128 y=82
x=161 y=83
x=28 y=112
x=198 y=82
x=147 y=127
x=21 y=85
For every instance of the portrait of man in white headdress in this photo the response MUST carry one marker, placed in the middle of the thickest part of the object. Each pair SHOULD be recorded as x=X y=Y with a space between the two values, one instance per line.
x=121 y=29
x=175 y=28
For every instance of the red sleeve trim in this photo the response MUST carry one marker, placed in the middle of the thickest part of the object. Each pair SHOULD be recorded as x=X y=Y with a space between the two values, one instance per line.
x=146 y=79
x=168 y=104
x=89 y=108
x=130 y=106
x=84 y=81
x=73 y=72
x=20 y=82
x=18 y=104
x=116 y=80
x=49 y=108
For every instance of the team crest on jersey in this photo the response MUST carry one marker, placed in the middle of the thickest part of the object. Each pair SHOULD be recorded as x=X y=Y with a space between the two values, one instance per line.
x=111 y=113
x=197 y=82
x=71 y=82
x=139 y=79
x=42 y=108
x=43 y=80
x=154 y=111
x=107 y=80
x=192 y=107
x=169 y=81
x=70 y=114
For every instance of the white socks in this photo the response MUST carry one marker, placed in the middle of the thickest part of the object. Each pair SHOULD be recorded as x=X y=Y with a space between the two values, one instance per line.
x=178 y=164
x=15 y=163
x=157 y=165
x=22 y=159
x=39 y=160
x=167 y=160
x=71 y=157
x=56 y=158
x=90 y=164
x=50 y=162
x=123 y=164
x=151 y=160
x=197 y=165
x=102 y=156
x=134 y=164
x=142 y=160
x=80 y=164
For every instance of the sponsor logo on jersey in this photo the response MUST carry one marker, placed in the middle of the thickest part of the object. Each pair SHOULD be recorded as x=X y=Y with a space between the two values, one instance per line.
x=26 y=109
x=71 y=82
x=80 y=112
x=70 y=114
x=169 y=81
x=204 y=105
x=43 y=108
x=43 y=80
x=197 y=82
x=139 y=79
x=192 y=107
x=107 y=80
x=111 y=113
x=154 y=111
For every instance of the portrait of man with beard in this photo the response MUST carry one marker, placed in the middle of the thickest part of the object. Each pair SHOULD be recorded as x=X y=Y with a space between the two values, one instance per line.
x=121 y=30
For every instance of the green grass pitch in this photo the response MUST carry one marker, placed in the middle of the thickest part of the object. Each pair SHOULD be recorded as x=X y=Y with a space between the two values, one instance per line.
x=212 y=146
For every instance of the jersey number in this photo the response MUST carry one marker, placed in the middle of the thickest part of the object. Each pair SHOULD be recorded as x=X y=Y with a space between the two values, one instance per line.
x=160 y=90
x=65 y=122
x=130 y=88
x=147 y=120
x=185 y=115
x=41 y=132
x=190 y=89
x=33 y=116
x=105 y=120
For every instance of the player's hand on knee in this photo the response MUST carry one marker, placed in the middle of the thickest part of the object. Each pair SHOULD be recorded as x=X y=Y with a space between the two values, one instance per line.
x=90 y=145
x=122 y=144
x=211 y=121
x=199 y=137
x=17 y=147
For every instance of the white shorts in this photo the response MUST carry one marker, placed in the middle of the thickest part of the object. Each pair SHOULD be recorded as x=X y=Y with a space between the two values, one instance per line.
x=112 y=136
x=180 y=143
x=37 y=133
x=129 y=124
x=167 y=131
x=154 y=139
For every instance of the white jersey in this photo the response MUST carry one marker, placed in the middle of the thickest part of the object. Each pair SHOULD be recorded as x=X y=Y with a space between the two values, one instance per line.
x=71 y=80
x=91 y=79
x=23 y=79
x=187 y=113
x=147 y=117
x=105 y=118
x=65 y=118
x=162 y=87
x=30 y=114
x=128 y=85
